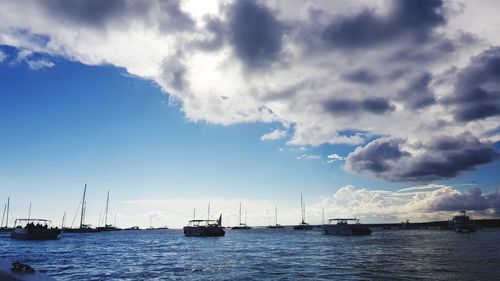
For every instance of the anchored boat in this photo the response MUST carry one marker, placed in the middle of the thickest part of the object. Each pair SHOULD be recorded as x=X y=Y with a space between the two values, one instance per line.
x=84 y=228
x=276 y=225
x=34 y=229
x=342 y=227
x=303 y=224
x=462 y=223
x=204 y=228
x=241 y=225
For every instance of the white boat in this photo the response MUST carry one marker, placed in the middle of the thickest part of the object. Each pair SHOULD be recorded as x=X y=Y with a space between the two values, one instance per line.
x=342 y=227
x=34 y=229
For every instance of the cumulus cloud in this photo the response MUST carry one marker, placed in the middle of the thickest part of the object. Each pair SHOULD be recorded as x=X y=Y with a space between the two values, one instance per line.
x=308 y=157
x=333 y=72
x=397 y=160
x=419 y=203
x=274 y=135
x=3 y=56
x=334 y=158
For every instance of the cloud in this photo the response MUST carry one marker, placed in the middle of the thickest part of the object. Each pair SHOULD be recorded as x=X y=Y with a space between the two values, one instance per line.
x=441 y=158
x=477 y=90
x=414 y=20
x=34 y=62
x=3 y=56
x=332 y=72
x=334 y=158
x=308 y=157
x=420 y=203
x=274 y=135
x=255 y=33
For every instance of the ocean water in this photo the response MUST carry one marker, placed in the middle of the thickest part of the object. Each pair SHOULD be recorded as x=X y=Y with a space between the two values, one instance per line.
x=263 y=254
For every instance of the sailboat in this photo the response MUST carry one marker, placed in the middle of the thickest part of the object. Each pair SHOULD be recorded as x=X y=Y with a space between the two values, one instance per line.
x=303 y=224
x=276 y=225
x=241 y=225
x=5 y=228
x=84 y=228
x=108 y=227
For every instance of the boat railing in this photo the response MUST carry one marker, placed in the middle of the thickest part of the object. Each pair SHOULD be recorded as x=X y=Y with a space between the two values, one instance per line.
x=343 y=220
x=202 y=222
x=34 y=222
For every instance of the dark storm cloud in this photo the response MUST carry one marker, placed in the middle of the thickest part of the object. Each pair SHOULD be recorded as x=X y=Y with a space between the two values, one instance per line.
x=362 y=76
x=216 y=29
x=98 y=13
x=441 y=158
x=418 y=94
x=255 y=34
x=474 y=199
x=477 y=90
x=409 y=19
x=353 y=107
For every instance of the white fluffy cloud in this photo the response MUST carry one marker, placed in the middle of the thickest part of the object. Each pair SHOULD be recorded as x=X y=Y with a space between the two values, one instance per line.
x=334 y=72
x=274 y=135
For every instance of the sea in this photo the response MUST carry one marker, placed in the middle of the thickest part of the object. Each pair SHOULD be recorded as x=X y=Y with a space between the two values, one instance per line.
x=263 y=254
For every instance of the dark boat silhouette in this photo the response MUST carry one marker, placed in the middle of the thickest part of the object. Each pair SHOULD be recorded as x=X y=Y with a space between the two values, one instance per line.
x=83 y=228
x=462 y=223
x=204 y=228
x=34 y=229
x=342 y=227
x=303 y=224
x=6 y=208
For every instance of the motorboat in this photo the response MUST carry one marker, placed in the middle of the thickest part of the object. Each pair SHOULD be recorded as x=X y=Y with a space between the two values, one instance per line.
x=34 y=229
x=342 y=227
x=204 y=228
x=462 y=223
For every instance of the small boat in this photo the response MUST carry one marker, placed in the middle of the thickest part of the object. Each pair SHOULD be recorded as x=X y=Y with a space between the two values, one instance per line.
x=241 y=225
x=462 y=223
x=276 y=225
x=303 y=224
x=34 y=229
x=204 y=228
x=342 y=227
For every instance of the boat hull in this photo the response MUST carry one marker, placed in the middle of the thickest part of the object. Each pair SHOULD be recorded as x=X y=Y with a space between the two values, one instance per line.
x=347 y=230
x=45 y=234
x=240 y=227
x=303 y=227
x=80 y=230
x=275 y=226
x=204 y=231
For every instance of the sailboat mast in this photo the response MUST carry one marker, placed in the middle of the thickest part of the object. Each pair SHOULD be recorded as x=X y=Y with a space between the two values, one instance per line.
x=208 y=213
x=302 y=208
x=150 y=221
x=323 y=215
x=8 y=207
x=84 y=205
x=3 y=214
x=106 y=216
x=239 y=216
x=276 y=215
x=29 y=213
x=194 y=213
x=63 y=220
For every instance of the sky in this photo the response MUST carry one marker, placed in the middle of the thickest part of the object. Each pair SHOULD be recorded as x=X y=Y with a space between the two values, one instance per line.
x=382 y=110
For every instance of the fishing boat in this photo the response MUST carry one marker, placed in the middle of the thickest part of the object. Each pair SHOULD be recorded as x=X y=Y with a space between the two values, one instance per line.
x=204 y=228
x=276 y=225
x=462 y=223
x=34 y=229
x=84 y=228
x=303 y=224
x=241 y=225
x=5 y=228
x=342 y=227
x=108 y=227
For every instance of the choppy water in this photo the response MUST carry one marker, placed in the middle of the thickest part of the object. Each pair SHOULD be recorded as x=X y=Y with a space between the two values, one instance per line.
x=263 y=254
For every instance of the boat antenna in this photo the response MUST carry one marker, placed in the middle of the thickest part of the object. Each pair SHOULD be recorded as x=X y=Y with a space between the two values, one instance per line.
x=84 y=205
x=194 y=213
x=106 y=216
x=29 y=213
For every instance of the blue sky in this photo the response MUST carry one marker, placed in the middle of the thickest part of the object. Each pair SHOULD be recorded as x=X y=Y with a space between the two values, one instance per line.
x=168 y=123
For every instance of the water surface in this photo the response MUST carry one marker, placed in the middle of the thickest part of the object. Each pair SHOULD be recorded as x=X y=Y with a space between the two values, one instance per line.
x=263 y=254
